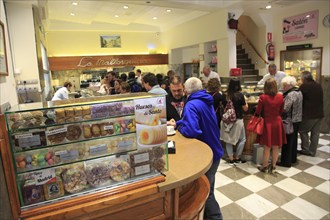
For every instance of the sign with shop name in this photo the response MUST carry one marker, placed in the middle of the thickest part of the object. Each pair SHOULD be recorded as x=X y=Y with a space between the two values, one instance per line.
x=300 y=27
x=88 y=62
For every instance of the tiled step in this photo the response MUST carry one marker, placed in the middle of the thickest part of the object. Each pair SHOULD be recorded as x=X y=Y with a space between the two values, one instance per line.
x=250 y=72
x=245 y=66
x=242 y=56
x=240 y=51
x=243 y=61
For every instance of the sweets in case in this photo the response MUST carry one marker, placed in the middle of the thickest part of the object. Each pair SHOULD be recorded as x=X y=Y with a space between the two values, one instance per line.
x=54 y=189
x=32 y=193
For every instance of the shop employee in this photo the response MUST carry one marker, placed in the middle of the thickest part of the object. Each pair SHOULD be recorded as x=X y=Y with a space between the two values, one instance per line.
x=63 y=93
x=273 y=73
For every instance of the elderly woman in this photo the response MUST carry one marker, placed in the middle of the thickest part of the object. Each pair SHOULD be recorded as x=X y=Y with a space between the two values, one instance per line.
x=293 y=109
x=199 y=121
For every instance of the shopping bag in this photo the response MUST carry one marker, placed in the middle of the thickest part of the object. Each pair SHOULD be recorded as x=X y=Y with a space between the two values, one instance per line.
x=256 y=125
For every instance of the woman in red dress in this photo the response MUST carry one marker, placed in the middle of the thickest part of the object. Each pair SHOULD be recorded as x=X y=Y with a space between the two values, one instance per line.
x=270 y=106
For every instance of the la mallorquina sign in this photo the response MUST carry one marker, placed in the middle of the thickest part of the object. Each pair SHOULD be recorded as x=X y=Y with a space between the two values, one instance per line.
x=88 y=62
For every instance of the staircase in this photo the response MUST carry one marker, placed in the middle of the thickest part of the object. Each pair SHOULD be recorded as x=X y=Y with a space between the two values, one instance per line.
x=249 y=74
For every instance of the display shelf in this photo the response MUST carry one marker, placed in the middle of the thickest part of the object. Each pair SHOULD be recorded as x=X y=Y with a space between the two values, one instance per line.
x=85 y=145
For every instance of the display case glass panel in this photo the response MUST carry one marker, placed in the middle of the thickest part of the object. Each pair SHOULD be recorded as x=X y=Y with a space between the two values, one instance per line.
x=75 y=147
x=293 y=62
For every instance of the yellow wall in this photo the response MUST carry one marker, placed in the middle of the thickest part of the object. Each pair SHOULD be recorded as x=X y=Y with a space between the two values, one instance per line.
x=78 y=43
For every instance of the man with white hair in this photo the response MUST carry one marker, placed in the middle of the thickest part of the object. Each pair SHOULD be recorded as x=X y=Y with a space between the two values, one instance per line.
x=273 y=73
x=209 y=74
x=199 y=121
x=293 y=109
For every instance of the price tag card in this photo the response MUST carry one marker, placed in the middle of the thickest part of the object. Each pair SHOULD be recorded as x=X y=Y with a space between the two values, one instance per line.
x=140 y=158
x=98 y=149
x=123 y=145
x=142 y=169
x=57 y=131
x=43 y=176
x=28 y=140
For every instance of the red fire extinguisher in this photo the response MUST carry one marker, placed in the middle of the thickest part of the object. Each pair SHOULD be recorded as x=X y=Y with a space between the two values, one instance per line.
x=270 y=49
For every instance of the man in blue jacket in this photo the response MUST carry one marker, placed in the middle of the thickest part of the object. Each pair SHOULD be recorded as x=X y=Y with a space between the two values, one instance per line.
x=199 y=121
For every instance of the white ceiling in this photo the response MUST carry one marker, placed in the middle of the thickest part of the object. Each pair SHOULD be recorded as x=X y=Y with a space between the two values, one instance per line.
x=100 y=14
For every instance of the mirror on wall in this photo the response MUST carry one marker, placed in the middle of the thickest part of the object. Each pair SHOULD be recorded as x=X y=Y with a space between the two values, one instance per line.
x=3 y=55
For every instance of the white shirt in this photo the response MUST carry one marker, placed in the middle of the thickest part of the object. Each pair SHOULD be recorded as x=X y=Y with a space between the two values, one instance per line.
x=157 y=90
x=211 y=75
x=61 y=94
x=279 y=75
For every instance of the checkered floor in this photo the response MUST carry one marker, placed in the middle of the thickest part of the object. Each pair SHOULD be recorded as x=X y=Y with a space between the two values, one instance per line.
x=299 y=192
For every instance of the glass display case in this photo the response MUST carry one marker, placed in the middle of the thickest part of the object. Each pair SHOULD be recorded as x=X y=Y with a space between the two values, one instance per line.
x=293 y=62
x=65 y=149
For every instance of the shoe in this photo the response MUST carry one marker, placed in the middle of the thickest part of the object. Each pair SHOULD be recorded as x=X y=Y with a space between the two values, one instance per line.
x=239 y=161
x=307 y=153
x=231 y=162
x=272 y=170
x=263 y=169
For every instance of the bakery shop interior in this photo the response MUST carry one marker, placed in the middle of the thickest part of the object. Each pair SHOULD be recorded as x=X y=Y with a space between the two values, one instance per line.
x=74 y=129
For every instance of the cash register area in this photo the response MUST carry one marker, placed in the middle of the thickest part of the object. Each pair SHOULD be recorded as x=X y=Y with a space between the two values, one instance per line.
x=299 y=192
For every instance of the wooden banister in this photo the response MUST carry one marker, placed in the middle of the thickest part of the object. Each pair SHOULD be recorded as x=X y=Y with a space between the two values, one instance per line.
x=252 y=46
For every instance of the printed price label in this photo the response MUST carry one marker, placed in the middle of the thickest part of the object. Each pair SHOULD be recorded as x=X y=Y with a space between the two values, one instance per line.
x=108 y=127
x=125 y=144
x=43 y=176
x=57 y=131
x=142 y=169
x=139 y=158
x=28 y=140
x=98 y=149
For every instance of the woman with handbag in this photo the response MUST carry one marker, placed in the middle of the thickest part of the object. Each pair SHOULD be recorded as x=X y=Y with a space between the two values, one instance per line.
x=292 y=114
x=271 y=103
x=236 y=134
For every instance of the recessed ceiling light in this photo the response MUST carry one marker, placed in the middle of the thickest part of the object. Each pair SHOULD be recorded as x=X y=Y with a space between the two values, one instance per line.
x=168 y=10
x=307 y=16
x=74 y=3
x=125 y=7
x=155 y=18
x=72 y=14
x=268 y=7
x=117 y=16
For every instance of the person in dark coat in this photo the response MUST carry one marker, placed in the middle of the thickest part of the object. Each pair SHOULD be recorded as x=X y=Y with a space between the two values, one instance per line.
x=175 y=99
x=312 y=113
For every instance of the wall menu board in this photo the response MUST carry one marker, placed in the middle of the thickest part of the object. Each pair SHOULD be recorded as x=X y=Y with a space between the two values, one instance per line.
x=300 y=27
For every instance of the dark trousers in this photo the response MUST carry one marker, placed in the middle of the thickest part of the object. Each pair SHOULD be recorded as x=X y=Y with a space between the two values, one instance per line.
x=212 y=208
x=289 y=150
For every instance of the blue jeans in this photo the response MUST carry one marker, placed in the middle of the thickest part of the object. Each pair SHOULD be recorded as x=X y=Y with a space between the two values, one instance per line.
x=212 y=208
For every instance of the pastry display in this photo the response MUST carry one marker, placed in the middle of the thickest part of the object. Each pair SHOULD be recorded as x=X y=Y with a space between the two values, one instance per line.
x=87 y=131
x=59 y=113
x=74 y=180
x=96 y=130
x=103 y=130
x=78 y=111
x=54 y=189
x=158 y=151
x=37 y=114
x=15 y=117
x=109 y=127
x=56 y=135
x=153 y=135
x=120 y=170
x=98 y=174
x=34 y=159
x=158 y=164
x=32 y=193
x=86 y=110
x=26 y=115
x=69 y=112
x=73 y=132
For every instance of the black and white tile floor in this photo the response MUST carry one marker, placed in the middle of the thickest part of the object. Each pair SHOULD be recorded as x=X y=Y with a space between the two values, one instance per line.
x=299 y=192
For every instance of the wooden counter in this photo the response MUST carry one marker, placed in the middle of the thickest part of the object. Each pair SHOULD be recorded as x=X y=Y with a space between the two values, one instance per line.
x=181 y=196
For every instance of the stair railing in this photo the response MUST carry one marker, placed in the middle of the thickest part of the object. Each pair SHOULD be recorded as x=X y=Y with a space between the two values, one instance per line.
x=254 y=55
